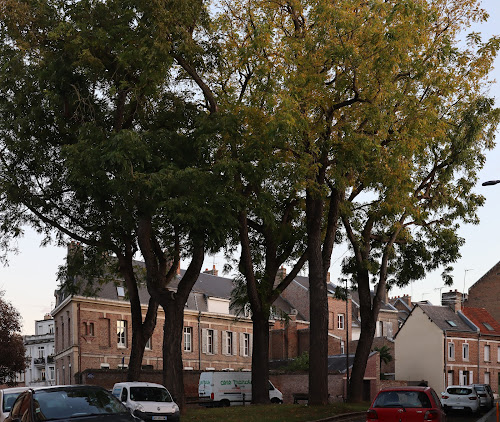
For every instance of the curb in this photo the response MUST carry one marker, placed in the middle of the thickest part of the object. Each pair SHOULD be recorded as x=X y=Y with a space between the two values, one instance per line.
x=491 y=411
x=343 y=417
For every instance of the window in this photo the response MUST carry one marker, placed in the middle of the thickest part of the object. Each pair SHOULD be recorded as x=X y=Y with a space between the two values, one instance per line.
x=40 y=352
x=486 y=354
x=121 y=331
x=188 y=339
x=486 y=377
x=450 y=378
x=228 y=342
x=488 y=326
x=451 y=351
x=465 y=351
x=120 y=291
x=210 y=342
x=51 y=373
x=340 y=321
x=342 y=347
x=148 y=344
x=246 y=344
x=451 y=323
x=91 y=329
x=42 y=374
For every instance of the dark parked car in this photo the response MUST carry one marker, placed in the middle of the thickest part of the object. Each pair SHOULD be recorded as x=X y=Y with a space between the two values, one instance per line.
x=66 y=403
x=406 y=404
x=485 y=394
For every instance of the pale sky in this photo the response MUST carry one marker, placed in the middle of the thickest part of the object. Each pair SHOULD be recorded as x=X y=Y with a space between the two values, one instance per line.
x=30 y=279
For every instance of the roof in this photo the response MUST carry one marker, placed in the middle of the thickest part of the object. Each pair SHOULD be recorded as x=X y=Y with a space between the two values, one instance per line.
x=385 y=306
x=337 y=363
x=446 y=319
x=483 y=320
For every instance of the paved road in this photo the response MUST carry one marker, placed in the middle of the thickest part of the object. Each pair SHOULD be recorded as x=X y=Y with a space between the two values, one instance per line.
x=492 y=416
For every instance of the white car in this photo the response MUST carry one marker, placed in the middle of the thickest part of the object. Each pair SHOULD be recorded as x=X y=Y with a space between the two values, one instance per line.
x=147 y=401
x=460 y=397
x=7 y=398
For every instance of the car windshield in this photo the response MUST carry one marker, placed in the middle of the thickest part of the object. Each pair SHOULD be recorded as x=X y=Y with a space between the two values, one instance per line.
x=74 y=403
x=402 y=399
x=460 y=391
x=8 y=401
x=155 y=394
x=479 y=387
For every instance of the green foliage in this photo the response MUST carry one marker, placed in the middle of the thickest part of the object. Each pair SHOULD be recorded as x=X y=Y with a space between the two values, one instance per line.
x=11 y=343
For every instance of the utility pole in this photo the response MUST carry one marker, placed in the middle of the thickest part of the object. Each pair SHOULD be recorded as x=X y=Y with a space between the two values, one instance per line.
x=347 y=339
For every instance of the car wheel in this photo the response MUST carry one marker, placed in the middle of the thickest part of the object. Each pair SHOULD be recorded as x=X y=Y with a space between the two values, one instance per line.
x=276 y=400
x=225 y=403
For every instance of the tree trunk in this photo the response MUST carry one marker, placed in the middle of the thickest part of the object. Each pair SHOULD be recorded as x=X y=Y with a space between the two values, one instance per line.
x=318 y=340
x=136 y=355
x=173 y=376
x=368 y=320
x=260 y=359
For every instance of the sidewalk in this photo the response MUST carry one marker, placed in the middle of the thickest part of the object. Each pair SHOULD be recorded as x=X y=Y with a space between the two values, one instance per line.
x=491 y=416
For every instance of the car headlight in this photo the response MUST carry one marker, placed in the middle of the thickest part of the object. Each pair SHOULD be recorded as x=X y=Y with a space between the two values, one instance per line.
x=176 y=408
x=139 y=408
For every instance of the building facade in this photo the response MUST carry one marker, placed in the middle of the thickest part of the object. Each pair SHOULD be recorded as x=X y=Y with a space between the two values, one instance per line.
x=485 y=293
x=40 y=349
x=96 y=332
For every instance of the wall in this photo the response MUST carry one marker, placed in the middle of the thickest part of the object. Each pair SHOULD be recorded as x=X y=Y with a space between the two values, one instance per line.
x=419 y=351
x=485 y=293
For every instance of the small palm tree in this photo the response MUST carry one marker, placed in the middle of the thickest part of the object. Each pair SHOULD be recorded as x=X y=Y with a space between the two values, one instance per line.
x=384 y=354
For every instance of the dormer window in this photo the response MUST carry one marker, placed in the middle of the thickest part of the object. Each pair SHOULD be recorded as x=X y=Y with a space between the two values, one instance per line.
x=120 y=291
x=451 y=323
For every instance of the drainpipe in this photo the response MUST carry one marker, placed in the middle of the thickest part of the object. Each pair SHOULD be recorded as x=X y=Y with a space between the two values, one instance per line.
x=199 y=340
x=79 y=345
x=478 y=355
x=445 y=359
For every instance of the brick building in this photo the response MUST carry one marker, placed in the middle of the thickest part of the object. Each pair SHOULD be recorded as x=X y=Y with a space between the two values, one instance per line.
x=95 y=332
x=448 y=345
x=485 y=293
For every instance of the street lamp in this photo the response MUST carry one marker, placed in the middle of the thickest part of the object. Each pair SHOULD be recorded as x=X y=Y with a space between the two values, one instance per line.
x=490 y=182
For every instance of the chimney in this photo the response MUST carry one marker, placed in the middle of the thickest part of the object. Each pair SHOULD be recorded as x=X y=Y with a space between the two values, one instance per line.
x=453 y=299
x=213 y=271
x=280 y=276
x=407 y=299
x=47 y=316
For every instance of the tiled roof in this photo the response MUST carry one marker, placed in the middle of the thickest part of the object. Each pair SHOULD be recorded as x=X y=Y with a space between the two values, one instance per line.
x=446 y=319
x=480 y=317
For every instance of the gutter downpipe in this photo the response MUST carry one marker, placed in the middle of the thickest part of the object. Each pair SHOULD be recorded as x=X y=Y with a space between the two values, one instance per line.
x=445 y=375
x=478 y=355
x=79 y=346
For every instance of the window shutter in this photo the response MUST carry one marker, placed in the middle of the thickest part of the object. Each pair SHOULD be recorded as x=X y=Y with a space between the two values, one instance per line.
x=471 y=377
x=460 y=377
x=204 y=340
x=235 y=343
x=216 y=342
x=250 y=347
x=242 y=343
x=224 y=343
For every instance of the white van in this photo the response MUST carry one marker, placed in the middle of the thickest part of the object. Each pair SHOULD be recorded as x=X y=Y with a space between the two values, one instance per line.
x=147 y=401
x=226 y=388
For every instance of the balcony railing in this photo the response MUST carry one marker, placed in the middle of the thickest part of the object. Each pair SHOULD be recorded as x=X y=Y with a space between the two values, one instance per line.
x=50 y=359
x=39 y=361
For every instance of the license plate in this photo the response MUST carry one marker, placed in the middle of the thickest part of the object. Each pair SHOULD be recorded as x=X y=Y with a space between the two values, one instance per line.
x=159 y=418
x=457 y=407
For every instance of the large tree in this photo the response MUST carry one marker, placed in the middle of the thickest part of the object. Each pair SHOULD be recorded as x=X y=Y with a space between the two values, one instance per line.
x=103 y=141
x=373 y=91
x=11 y=343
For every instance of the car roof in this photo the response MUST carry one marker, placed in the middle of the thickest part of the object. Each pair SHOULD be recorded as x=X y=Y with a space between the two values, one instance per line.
x=406 y=388
x=13 y=390
x=137 y=384
x=68 y=387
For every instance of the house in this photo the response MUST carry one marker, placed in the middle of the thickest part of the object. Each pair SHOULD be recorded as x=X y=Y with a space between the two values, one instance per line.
x=40 y=366
x=485 y=293
x=444 y=346
x=289 y=336
x=95 y=332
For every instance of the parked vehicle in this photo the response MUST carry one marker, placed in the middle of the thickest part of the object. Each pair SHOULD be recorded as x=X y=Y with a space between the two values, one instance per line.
x=7 y=398
x=224 y=388
x=485 y=394
x=147 y=401
x=66 y=403
x=460 y=397
x=406 y=404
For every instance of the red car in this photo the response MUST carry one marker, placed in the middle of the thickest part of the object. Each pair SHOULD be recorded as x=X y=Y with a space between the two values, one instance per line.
x=406 y=404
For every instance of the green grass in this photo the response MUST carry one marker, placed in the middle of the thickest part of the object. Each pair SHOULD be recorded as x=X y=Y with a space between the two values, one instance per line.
x=270 y=413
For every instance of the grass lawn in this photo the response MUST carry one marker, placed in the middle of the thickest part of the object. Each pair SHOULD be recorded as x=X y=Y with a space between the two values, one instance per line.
x=270 y=413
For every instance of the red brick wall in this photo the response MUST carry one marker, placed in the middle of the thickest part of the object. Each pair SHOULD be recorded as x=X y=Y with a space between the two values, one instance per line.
x=485 y=293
